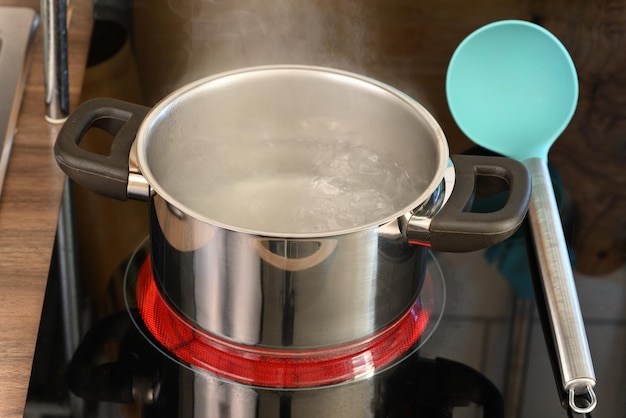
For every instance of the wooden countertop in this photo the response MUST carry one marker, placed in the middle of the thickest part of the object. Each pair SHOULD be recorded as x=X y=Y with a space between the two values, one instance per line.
x=29 y=208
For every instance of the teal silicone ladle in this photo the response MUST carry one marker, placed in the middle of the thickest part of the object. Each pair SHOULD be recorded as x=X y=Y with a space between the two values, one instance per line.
x=512 y=88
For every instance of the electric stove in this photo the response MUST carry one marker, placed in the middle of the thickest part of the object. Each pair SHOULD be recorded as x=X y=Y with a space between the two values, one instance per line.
x=481 y=353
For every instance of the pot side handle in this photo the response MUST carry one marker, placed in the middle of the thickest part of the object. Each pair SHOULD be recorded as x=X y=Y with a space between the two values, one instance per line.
x=456 y=229
x=103 y=174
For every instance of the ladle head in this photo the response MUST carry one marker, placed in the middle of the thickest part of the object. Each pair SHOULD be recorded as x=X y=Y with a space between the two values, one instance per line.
x=512 y=88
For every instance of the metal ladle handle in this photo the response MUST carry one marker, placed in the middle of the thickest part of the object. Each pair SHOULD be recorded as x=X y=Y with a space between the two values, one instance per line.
x=566 y=322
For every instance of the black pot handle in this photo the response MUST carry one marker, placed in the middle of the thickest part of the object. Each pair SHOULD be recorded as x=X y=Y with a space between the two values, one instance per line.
x=104 y=174
x=455 y=228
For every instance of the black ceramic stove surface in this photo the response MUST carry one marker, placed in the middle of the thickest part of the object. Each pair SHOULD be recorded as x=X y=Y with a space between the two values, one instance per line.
x=489 y=339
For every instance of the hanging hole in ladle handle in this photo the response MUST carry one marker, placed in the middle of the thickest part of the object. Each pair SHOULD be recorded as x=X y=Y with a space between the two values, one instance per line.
x=590 y=401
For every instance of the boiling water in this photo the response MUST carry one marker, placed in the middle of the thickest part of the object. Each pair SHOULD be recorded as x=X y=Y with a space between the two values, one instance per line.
x=293 y=187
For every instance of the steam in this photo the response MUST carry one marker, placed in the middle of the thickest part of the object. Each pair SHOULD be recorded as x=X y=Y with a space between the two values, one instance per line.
x=180 y=41
x=224 y=35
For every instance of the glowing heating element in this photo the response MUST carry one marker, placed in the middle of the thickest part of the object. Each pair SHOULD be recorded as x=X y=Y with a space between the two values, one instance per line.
x=271 y=367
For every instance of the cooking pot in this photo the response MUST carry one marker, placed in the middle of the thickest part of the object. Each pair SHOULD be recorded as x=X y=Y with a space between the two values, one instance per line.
x=291 y=207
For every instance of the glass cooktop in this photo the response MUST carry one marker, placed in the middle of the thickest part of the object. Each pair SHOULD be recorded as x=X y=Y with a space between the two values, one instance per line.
x=490 y=325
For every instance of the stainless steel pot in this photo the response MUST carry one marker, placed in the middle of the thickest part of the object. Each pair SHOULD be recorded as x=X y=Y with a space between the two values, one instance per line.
x=254 y=176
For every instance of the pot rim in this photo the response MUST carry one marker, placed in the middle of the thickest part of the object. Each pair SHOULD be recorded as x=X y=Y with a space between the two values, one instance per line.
x=143 y=137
